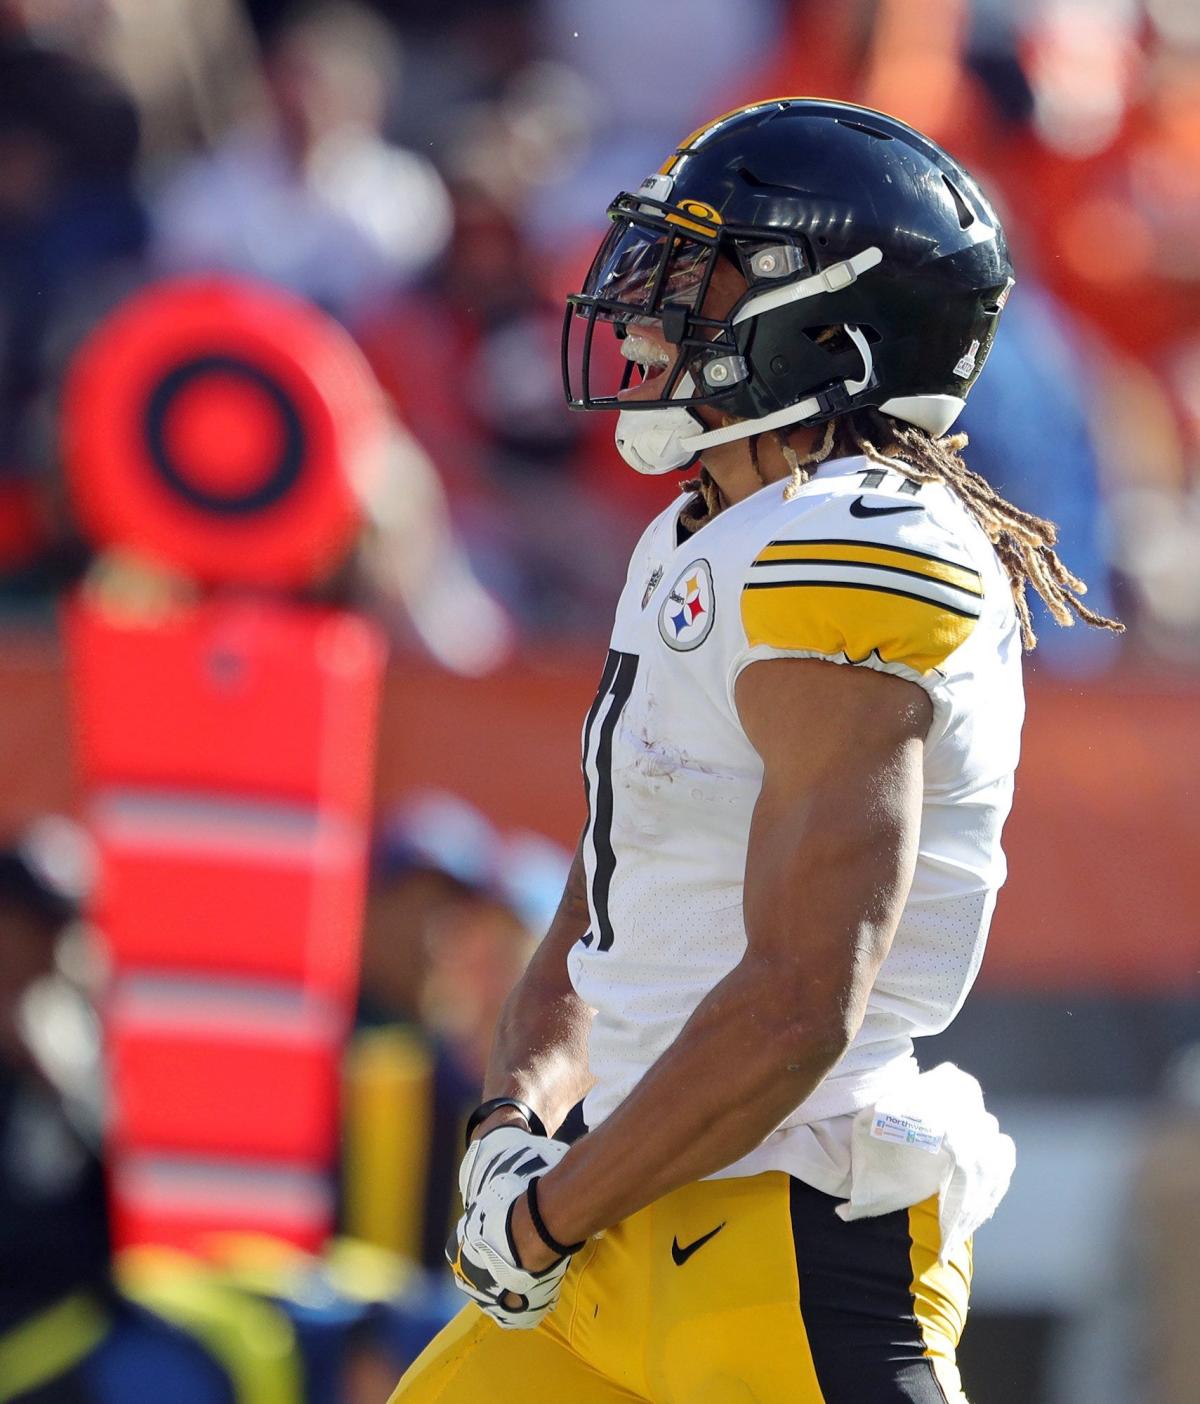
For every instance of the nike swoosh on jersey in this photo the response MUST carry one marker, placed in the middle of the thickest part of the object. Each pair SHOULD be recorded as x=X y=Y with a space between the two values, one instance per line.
x=681 y=1255
x=859 y=509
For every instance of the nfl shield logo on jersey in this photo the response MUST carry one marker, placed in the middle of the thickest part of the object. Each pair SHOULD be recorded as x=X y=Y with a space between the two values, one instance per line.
x=651 y=585
x=686 y=615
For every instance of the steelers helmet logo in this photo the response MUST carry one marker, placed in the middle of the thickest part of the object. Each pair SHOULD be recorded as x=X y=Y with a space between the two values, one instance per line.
x=686 y=614
x=699 y=210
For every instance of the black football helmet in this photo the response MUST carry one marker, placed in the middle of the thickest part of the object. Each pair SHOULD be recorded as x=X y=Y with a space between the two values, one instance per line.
x=876 y=272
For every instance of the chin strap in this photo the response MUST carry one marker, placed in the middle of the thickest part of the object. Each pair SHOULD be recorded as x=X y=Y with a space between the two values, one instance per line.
x=659 y=441
x=790 y=414
x=745 y=428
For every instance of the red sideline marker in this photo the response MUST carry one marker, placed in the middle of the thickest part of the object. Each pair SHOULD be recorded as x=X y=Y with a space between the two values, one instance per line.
x=224 y=428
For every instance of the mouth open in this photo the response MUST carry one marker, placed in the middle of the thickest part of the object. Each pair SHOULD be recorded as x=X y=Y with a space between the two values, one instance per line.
x=652 y=360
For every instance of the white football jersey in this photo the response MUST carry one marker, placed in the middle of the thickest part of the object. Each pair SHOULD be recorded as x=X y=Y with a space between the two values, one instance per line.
x=861 y=568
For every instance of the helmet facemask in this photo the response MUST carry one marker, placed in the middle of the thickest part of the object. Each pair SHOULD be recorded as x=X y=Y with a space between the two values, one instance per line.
x=646 y=273
x=656 y=268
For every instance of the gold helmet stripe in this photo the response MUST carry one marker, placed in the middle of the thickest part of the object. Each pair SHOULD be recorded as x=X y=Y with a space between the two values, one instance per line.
x=695 y=137
x=700 y=133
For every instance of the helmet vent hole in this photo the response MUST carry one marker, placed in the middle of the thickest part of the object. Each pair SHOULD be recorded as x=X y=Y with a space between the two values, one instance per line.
x=835 y=340
x=830 y=338
x=965 y=217
x=865 y=129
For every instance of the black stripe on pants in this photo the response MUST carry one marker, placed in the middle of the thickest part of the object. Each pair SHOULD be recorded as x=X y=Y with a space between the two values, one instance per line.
x=857 y=1305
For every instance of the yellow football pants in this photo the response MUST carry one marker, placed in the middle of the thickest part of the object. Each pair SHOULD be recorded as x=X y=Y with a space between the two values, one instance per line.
x=745 y=1291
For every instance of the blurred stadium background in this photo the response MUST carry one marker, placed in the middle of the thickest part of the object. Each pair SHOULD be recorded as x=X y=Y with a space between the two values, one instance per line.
x=432 y=176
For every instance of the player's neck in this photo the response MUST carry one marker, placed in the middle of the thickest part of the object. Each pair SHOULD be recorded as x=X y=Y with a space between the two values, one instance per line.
x=743 y=467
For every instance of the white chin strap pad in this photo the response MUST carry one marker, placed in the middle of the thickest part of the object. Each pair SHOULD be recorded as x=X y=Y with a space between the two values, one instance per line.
x=652 y=441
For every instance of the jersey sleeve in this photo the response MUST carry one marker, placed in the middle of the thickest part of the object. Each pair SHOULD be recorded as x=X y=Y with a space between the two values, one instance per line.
x=900 y=600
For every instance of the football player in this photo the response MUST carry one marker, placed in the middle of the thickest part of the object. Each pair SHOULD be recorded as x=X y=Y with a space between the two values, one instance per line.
x=797 y=766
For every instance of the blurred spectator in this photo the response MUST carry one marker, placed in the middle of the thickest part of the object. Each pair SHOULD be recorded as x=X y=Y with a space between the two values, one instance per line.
x=457 y=53
x=257 y=1322
x=64 y=1332
x=53 y=1225
x=412 y=573
x=311 y=196
x=417 y=869
x=653 y=72
x=470 y=906
x=1152 y=493
x=347 y=1321
x=186 y=66
x=68 y=215
x=472 y=361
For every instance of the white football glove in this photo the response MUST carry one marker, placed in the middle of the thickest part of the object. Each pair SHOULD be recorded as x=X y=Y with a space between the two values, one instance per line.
x=509 y=1150
x=495 y=1173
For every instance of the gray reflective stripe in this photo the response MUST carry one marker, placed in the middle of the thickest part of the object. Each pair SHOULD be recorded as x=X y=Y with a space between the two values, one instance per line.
x=195 y=1184
x=210 y=1004
x=167 y=819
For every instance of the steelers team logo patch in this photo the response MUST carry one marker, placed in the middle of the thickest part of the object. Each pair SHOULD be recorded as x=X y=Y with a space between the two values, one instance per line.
x=686 y=614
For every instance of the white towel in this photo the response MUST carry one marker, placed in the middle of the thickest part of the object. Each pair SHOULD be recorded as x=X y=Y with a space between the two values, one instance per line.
x=933 y=1136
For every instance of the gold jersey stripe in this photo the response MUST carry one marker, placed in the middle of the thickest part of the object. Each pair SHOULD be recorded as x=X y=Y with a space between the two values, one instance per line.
x=858 y=585
x=856 y=620
x=863 y=553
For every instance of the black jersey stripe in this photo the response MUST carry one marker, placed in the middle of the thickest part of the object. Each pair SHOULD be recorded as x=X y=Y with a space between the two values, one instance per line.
x=871 y=565
x=616 y=684
x=606 y=677
x=855 y=585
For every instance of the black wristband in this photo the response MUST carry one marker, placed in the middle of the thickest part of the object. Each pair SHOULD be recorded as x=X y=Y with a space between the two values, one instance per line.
x=485 y=1109
x=564 y=1250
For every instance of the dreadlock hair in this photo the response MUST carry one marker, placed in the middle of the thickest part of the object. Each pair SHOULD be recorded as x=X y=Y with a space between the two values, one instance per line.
x=707 y=501
x=1024 y=543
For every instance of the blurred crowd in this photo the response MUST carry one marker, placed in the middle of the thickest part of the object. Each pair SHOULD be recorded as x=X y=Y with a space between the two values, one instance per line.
x=435 y=176
x=454 y=910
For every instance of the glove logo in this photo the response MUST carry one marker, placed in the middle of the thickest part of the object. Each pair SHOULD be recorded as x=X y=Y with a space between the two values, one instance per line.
x=496 y=1171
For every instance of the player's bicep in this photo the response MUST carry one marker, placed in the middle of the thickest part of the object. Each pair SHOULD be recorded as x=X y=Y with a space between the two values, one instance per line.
x=833 y=838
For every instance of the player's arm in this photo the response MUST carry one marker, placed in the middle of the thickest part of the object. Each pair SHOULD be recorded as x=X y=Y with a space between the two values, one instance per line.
x=539 y=1054
x=829 y=862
